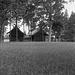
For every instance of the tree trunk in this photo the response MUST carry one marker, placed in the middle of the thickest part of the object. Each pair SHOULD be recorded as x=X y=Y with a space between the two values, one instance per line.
x=1 y=40
x=50 y=30
x=50 y=21
x=10 y=28
x=1 y=32
x=74 y=38
x=23 y=31
x=59 y=38
x=31 y=30
x=42 y=35
x=16 y=31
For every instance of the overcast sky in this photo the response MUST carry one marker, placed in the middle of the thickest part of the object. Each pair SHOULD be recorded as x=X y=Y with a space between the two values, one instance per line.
x=70 y=6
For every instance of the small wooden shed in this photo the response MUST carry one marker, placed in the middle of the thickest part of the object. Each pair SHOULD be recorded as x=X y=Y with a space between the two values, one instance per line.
x=16 y=32
x=37 y=35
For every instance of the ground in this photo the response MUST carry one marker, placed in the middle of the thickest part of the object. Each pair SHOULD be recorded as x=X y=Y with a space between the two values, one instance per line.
x=37 y=58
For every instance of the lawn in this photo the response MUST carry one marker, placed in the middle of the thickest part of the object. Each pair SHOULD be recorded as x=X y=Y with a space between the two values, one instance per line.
x=40 y=58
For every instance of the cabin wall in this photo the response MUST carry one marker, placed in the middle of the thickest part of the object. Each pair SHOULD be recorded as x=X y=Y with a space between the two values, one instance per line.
x=38 y=37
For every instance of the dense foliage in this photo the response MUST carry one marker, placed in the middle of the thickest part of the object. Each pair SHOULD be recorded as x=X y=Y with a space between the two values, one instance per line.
x=44 y=14
x=69 y=32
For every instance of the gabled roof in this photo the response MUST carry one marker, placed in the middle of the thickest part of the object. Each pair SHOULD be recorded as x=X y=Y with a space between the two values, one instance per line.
x=36 y=31
x=14 y=30
x=33 y=32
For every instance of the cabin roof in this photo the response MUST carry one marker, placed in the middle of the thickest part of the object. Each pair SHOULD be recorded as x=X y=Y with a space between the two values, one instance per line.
x=36 y=31
x=14 y=30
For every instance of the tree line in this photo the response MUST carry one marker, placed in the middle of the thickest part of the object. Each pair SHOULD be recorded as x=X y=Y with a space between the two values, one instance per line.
x=45 y=14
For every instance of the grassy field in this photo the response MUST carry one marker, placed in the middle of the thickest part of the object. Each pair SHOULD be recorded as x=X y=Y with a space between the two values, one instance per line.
x=40 y=58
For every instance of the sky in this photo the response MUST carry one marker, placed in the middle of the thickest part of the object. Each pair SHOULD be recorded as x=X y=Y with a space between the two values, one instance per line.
x=70 y=6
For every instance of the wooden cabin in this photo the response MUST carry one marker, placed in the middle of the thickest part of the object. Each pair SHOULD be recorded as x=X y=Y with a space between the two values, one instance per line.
x=36 y=35
x=16 y=32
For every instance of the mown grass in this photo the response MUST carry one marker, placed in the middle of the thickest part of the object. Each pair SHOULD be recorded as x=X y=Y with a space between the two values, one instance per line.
x=40 y=58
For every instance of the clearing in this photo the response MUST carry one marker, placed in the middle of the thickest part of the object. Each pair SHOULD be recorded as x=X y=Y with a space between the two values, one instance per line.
x=37 y=58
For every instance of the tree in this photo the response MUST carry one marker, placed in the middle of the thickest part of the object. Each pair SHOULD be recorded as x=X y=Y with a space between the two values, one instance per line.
x=71 y=0
x=20 y=9
x=50 y=9
x=5 y=8
x=60 y=24
x=30 y=9
x=69 y=31
x=57 y=29
x=71 y=25
x=4 y=4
